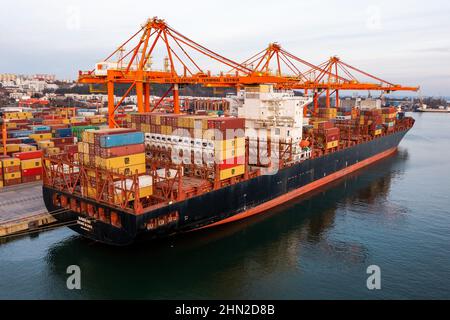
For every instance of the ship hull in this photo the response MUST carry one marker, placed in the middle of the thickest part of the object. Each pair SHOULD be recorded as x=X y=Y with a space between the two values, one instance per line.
x=231 y=203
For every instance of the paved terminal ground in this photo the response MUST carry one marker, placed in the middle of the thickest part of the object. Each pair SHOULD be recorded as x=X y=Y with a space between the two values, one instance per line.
x=22 y=208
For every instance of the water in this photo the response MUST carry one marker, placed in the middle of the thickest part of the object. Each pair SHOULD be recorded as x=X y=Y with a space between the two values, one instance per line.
x=394 y=214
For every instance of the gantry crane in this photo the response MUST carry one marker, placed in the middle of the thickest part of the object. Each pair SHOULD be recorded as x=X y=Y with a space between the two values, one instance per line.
x=331 y=76
x=181 y=67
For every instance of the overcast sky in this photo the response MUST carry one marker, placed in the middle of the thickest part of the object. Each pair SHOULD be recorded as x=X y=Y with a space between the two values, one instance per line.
x=405 y=42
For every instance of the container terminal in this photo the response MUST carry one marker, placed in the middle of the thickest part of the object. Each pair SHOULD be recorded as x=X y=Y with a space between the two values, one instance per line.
x=178 y=165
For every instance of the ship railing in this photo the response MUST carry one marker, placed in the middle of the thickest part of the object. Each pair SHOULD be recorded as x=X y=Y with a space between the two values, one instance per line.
x=103 y=186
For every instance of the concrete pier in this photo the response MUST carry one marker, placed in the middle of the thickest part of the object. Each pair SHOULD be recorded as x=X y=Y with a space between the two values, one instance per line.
x=22 y=209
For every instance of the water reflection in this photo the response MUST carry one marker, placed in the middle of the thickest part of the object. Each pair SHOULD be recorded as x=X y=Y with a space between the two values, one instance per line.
x=225 y=261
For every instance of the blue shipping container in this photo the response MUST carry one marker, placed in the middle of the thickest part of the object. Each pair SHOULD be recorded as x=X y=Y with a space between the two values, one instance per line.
x=40 y=128
x=123 y=139
x=28 y=140
x=63 y=133
x=20 y=133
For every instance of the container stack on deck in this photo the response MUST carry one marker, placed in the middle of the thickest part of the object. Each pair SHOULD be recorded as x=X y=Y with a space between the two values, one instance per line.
x=119 y=151
x=195 y=141
x=388 y=117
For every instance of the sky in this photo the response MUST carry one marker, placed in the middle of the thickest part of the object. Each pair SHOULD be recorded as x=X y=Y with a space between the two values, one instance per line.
x=404 y=42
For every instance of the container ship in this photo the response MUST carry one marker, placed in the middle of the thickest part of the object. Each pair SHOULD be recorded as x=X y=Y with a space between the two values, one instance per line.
x=164 y=174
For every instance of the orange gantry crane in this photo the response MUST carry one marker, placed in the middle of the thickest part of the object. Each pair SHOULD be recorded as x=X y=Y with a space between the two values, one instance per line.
x=330 y=76
x=182 y=65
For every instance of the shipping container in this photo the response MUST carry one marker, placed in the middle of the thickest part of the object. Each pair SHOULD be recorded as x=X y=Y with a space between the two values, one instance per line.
x=28 y=155
x=31 y=163
x=121 y=139
x=121 y=151
x=32 y=171
x=118 y=162
x=231 y=172
x=10 y=162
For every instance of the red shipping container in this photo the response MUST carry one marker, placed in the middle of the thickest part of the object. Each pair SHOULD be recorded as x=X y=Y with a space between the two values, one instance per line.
x=226 y=123
x=332 y=131
x=12 y=182
x=13 y=140
x=229 y=163
x=31 y=172
x=332 y=138
x=66 y=140
x=325 y=125
x=122 y=150
x=28 y=155
x=31 y=178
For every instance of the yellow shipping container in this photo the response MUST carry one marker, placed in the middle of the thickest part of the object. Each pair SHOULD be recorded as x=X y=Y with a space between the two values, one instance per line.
x=11 y=125
x=52 y=150
x=90 y=192
x=85 y=147
x=229 y=153
x=378 y=132
x=41 y=136
x=232 y=172
x=27 y=147
x=12 y=147
x=10 y=162
x=118 y=162
x=140 y=168
x=44 y=144
x=85 y=159
x=12 y=175
x=89 y=136
x=80 y=147
x=332 y=144
x=1 y=183
x=31 y=164
x=229 y=144
x=65 y=121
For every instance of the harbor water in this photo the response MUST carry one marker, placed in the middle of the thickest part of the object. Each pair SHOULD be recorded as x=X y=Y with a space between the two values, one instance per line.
x=394 y=214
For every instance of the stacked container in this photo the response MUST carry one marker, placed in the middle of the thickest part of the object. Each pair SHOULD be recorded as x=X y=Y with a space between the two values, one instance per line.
x=119 y=151
x=373 y=120
x=327 y=113
x=11 y=171
x=31 y=165
x=328 y=134
x=389 y=115
x=193 y=140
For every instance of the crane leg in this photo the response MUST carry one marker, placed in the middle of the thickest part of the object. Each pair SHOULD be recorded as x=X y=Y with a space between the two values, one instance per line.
x=111 y=106
x=316 y=103
x=337 y=99
x=176 y=99
x=147 y=97
x=140 y=95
